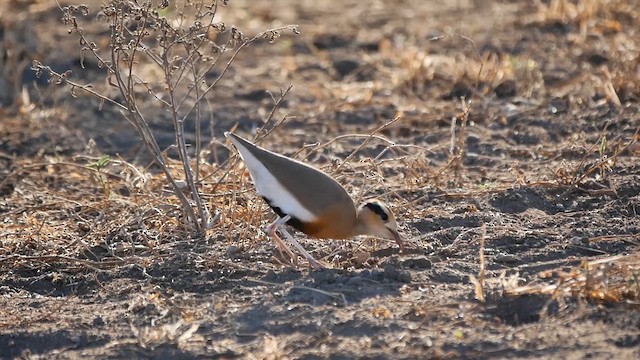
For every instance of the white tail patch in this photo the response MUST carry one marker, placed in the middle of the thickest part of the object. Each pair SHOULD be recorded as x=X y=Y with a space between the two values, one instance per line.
x=268 y=186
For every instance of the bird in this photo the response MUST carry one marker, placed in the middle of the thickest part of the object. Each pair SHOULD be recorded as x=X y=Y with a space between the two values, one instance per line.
x=311 y=201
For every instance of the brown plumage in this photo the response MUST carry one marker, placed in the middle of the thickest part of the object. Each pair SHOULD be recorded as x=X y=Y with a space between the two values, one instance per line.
x=316 y=203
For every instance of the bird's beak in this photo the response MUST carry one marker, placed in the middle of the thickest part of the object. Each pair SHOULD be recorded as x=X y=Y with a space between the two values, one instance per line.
x=397 y=238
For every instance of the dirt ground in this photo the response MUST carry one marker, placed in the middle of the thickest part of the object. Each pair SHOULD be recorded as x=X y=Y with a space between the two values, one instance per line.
x=502 y=134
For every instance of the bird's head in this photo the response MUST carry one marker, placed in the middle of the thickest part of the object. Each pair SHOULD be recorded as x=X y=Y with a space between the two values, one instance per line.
x=375 y=218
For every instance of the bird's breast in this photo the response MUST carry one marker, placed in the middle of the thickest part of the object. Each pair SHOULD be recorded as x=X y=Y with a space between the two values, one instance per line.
x=334 y=223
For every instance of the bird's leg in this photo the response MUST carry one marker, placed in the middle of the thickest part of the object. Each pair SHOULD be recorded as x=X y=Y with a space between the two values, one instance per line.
x=279 y=225
x=314 y=264
x=272 y=230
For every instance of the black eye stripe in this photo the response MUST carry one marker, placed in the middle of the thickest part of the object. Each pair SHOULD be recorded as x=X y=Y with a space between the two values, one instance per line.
x=376 y=208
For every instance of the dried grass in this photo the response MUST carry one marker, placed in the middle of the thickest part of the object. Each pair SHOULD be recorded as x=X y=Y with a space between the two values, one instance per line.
x=593 y=13
x=479 y=282
x=62 y=213
x=67 y=217
x=67 y=213
x=418 y=72
x=607 y=281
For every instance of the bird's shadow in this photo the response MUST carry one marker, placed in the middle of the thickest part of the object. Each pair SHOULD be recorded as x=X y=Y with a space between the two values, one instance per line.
x=325 y=292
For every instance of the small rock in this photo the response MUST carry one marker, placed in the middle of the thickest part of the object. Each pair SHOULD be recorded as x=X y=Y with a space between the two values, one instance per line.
x=345 y=67
x=360 y=257
x=458 y=91
x=417 y=263
x=506 y=258
x=330 y=41
x=506 y=89
x=270 y=276
x=577 y=240
x=597 y=59
x=98 y=321
x=232 y=250
x=253 y=95
x=391 y=273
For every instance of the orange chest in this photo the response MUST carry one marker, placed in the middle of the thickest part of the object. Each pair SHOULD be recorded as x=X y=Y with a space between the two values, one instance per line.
x=334 y=227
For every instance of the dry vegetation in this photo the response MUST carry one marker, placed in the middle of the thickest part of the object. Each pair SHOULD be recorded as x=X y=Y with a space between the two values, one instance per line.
x=503 y=134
